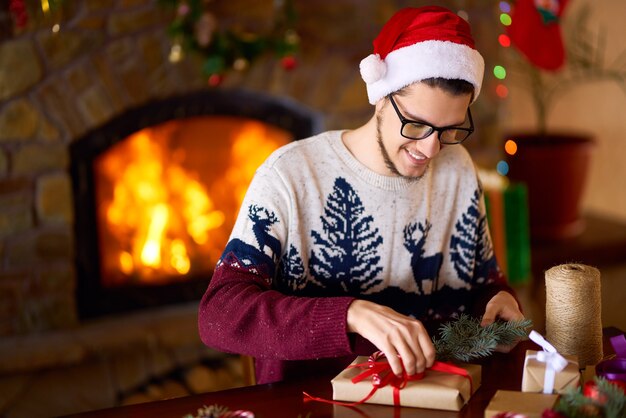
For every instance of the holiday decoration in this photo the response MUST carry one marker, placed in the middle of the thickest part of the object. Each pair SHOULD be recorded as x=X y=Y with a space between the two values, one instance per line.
x=547 y=371
x=23 y=11
x=536 y=32
x=18 y=12
x=419 y=43
x=465 y=339
x=195 y=28
x=597 y=398
x=512 y=404
x=370 y=380
x=443 y=386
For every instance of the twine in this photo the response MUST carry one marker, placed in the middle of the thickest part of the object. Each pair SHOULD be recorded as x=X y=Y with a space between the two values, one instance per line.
x=573 y=312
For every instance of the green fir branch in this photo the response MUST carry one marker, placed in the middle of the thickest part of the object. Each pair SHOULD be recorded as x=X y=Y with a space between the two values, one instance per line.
x=465 y=339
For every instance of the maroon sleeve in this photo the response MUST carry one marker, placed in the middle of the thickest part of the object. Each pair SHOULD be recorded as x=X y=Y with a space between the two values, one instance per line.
x=239 y=313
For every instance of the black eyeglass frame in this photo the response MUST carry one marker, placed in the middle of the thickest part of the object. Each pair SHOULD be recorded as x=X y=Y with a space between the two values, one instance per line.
x=440 y=131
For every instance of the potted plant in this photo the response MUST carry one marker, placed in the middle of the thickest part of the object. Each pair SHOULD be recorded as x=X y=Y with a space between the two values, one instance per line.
x=554 y=164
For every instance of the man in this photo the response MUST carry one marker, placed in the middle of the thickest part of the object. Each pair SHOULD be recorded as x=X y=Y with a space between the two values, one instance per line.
x=362 y=240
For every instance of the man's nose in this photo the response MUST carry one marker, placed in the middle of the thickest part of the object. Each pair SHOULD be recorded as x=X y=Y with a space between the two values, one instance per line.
x=430 y=145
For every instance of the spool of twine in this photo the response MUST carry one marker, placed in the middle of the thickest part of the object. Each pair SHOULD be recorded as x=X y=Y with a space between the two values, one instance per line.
x=573 y=312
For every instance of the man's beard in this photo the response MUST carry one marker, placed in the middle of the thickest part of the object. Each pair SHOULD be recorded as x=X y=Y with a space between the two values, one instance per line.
x=387 y=159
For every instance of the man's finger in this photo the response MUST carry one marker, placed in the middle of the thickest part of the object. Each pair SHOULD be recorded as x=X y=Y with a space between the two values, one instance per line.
x=409 y=358
x=394 y=361
x=487 y=320
x=427 y=350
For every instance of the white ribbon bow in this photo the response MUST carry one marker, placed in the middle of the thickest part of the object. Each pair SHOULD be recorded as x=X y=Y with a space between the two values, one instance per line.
x=554 y=361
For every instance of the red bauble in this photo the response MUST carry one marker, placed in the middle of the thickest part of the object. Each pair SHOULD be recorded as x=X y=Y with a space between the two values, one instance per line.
x=215 y=80
x=288 y=62
x=591 y=391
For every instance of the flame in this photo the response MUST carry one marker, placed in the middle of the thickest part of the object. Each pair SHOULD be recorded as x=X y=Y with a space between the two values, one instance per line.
x=251 y=147
x=151 y=248
x=160 y=219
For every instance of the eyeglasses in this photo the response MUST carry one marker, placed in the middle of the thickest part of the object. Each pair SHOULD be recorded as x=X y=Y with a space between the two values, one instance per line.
x=419 y=130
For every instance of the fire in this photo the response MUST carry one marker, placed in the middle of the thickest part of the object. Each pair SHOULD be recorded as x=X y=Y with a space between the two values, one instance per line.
x=157 y=200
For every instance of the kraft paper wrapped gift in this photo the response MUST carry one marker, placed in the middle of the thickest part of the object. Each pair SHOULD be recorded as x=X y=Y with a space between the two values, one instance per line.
x=436 y=390
x=535 y=370
x=531 y=405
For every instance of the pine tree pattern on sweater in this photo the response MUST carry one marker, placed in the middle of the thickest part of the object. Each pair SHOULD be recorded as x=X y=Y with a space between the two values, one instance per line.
x=346 y=254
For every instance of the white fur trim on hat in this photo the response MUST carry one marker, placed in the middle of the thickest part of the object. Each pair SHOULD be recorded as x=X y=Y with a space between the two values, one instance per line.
x=423 y=60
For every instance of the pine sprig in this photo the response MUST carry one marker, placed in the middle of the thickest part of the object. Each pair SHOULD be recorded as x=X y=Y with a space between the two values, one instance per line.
x=465 y=339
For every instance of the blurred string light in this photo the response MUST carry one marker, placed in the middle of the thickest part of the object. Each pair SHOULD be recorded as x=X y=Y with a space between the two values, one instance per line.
x=505 y=19
x=504 y=40
x=502 y=91
x=502 y=168
x=510 y=147
x=500 y=72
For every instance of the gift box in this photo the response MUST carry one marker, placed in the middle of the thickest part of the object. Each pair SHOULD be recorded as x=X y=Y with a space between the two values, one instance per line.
x=530 y=405
x=436 y=389
x=533 y=377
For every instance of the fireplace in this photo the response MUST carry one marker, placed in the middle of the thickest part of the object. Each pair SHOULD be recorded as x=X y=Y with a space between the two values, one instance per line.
x=157 y=190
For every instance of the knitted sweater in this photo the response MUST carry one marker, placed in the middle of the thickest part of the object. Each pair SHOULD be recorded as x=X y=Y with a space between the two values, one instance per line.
x=318 y=229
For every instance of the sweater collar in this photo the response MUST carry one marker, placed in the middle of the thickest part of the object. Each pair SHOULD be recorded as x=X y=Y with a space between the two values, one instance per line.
x=367 y=175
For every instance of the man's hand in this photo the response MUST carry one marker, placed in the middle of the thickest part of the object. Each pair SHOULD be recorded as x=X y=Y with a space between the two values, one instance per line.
x=503 y=305
x=403 y=340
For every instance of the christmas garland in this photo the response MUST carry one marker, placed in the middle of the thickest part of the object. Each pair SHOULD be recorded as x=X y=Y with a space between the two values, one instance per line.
x=195 y=28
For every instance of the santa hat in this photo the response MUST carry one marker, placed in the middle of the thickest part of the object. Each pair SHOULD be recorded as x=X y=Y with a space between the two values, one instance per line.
x=419 y=43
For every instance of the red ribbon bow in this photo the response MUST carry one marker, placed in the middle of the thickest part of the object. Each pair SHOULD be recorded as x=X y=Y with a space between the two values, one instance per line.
x=377 y=367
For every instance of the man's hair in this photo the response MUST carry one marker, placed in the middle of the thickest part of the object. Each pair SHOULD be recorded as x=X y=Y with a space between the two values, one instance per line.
x=455 y=87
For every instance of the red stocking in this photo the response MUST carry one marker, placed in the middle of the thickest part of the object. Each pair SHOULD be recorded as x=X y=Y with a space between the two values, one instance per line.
x=536 y=32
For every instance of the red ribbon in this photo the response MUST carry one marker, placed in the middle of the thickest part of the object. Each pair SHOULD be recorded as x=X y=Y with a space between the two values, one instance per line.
x=380 y=371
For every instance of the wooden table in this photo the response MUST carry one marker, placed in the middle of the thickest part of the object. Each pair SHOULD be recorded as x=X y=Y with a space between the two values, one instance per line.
x=500 y=371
